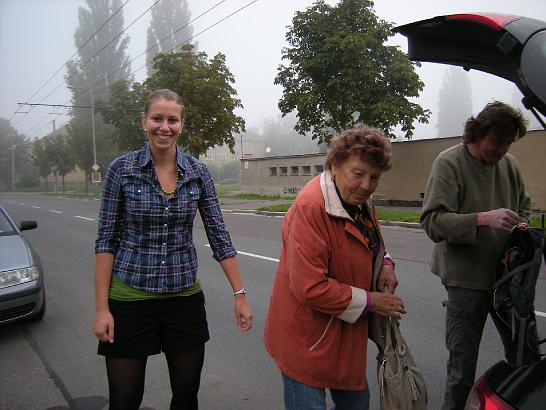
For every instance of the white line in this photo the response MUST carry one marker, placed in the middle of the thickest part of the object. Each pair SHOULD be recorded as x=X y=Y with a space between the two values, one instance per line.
x=267 y=258
x=83 y=217
x=540 y=313
x=36 y=207
x=57 y=212
x=22 y=204
x=253 y=255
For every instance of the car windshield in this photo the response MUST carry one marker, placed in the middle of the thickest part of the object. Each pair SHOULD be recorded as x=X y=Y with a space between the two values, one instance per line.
x=6 y=228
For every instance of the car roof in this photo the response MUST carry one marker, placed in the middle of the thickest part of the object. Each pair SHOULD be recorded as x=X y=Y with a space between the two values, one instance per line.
x=507 y=46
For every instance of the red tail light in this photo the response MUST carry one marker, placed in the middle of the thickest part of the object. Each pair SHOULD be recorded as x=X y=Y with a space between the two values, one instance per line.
x=483 y=398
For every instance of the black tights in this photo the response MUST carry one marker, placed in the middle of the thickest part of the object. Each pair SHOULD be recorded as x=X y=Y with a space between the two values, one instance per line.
x=126 y=380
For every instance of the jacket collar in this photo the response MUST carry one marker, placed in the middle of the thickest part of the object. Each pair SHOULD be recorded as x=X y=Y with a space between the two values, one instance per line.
x=332 y=202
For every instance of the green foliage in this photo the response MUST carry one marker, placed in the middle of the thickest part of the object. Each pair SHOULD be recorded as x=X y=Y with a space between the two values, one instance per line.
x=128 y=105
x=40 y=158
x=168 y=29
x=13 y=146
x=341 y=72
x=205 y=87
x=90 y=76
x=227 y=189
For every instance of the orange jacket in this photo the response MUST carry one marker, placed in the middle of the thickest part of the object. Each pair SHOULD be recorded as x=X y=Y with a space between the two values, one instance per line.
x=314 y=330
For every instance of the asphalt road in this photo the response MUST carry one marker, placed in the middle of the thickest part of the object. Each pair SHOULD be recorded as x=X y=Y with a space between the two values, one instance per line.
x=53 y=364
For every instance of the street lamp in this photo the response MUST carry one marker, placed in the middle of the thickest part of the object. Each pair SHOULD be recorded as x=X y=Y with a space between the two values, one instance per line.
x=95 y=166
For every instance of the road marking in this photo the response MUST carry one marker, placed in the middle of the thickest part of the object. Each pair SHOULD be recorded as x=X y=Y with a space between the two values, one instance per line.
x=540 y=313
x=36 y=207
x=267 y=258
x=57 y=212
x=253 y=255
x=22 y=204
x=83 y=217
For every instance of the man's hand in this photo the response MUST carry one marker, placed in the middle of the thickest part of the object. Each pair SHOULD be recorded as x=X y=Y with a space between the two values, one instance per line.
x=501 y=219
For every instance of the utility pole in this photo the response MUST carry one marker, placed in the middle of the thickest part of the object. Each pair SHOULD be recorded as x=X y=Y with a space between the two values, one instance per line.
x=95 y=166
x=13 y=168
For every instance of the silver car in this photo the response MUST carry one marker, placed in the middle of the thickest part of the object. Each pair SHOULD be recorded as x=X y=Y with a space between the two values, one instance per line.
x=22 y=294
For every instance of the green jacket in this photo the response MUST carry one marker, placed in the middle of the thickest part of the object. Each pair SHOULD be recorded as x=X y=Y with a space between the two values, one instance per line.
x=459 y=187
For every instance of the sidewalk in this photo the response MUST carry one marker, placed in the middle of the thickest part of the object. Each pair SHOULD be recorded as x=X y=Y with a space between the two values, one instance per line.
x=252 y=206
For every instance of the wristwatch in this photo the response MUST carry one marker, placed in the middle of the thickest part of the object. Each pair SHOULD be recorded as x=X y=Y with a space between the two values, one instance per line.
x=241 y=291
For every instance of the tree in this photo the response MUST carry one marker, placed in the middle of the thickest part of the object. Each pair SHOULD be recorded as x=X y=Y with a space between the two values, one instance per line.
x=169 y=28
x=59 y=156
x=14 y=149
x=101 y=62
x=209 y=98
x=341 y=72
x=282 y=139
x=128 y=104
x=40 y=159
x=454 y=102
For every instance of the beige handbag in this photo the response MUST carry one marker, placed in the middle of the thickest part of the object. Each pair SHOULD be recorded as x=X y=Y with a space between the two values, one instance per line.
x=401 y=384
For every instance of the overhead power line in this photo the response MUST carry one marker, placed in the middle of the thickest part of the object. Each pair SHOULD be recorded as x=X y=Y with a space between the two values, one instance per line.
x=172 y=49
x=77 y=51
x=79 y=106
x=98 y=52
x=195 y=35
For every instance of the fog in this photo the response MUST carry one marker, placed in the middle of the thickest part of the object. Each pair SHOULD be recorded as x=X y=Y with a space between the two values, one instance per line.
x=36 y=39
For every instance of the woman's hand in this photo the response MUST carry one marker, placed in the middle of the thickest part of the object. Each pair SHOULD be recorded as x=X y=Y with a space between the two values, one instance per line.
x=104 y=326
x=387 y=304
x=386 y=277
x=243 y=314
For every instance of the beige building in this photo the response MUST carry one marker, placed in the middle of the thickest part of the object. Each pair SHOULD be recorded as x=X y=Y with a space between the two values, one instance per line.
x=405 y=181
x=246 y=146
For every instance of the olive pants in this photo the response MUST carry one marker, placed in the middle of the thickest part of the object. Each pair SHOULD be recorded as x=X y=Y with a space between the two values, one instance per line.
x=466 y=313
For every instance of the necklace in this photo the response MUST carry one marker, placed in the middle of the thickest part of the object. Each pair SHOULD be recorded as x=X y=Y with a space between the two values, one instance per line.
x=172 y=191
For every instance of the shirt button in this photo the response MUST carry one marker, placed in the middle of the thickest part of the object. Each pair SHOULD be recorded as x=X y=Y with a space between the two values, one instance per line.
x=164 y=244
x=166 y=208
x=165 y=225
x=163 y=262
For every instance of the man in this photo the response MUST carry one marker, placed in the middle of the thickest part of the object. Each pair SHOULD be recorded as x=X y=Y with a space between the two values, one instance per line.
x=475 y=197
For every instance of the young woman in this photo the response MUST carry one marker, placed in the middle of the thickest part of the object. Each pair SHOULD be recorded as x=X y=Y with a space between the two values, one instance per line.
x=147 y=296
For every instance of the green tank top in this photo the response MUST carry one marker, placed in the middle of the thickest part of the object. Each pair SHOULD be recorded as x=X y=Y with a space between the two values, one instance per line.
x=119 y=290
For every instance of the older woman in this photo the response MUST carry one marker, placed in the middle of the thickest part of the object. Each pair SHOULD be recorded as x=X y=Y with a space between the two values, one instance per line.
x=332 y=249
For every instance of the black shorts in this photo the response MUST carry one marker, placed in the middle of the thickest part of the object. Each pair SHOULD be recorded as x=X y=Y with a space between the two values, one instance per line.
x=146 y=327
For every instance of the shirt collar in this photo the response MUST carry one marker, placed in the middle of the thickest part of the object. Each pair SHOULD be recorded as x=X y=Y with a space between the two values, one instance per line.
x=146 y=157
x=332 y=201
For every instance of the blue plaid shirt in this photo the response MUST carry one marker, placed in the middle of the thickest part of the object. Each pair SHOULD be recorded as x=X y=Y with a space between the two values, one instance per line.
x=151 y=235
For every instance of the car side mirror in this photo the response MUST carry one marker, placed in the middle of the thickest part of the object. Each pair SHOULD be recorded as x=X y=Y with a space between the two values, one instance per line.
x=26 y=225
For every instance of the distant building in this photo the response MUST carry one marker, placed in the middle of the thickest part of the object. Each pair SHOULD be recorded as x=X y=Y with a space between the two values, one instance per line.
x=404 y=182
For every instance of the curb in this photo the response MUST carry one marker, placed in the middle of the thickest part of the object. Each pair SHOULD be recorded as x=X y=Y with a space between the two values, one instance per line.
x=402 y=224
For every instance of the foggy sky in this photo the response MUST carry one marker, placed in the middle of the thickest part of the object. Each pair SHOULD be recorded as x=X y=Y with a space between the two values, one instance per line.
x=36 y=38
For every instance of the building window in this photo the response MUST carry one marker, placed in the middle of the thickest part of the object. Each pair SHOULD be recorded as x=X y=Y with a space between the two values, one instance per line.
x=246 y=164
x=221 y=157
x=209 y=157
x=294 y=170
x=306 y=170
x=234 y=157
x=319 y=169
x=283 y=171
x=272 y=171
